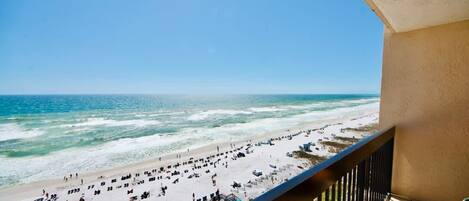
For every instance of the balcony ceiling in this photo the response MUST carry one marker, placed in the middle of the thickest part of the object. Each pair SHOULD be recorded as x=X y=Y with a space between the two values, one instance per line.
x=408 y=15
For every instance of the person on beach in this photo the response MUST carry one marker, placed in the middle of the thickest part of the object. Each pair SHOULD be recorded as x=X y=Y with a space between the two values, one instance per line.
x=218 y=149
x=81 y=181
x=76 y=175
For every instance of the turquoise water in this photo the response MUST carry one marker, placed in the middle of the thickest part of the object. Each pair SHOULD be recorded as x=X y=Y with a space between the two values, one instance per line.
x=49 y=136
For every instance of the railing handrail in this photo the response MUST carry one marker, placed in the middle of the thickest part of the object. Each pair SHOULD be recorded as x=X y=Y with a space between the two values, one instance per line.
x=319 y=173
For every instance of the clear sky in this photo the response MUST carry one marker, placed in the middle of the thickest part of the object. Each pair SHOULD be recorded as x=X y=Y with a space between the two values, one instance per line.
x=189 y=46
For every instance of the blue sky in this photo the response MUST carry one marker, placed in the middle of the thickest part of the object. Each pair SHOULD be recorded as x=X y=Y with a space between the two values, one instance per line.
x=213 y=46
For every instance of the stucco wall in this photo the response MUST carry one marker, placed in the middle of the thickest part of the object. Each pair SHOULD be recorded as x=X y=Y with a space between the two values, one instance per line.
x=425 y=93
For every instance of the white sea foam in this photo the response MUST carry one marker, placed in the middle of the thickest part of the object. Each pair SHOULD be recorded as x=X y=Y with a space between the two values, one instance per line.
x=266 y=109
x=164 y=114
x=306 y=106
x=206 y=114
x=262 y=126
x=57 y=164
x=135 y=122
x=128 y=150
x=10 y=131
x=90 y=122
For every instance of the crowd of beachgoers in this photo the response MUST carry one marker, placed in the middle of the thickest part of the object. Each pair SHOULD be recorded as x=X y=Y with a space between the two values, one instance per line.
x=233 y=171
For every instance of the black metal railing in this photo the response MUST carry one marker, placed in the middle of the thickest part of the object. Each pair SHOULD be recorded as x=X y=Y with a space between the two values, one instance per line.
x=361 y=172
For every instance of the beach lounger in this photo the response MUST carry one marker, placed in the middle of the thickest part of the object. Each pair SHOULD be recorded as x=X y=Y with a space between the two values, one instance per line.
x=257 y=173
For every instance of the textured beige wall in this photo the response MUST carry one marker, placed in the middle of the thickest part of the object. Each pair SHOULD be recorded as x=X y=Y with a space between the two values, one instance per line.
x=425 y=93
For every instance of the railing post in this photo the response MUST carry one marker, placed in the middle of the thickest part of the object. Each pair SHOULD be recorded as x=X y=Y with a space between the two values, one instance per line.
x=389 y=164
x=339 y=189
x=361 y=181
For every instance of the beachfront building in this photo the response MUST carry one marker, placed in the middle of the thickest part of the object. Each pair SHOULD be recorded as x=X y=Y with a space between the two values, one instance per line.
x=422 y=151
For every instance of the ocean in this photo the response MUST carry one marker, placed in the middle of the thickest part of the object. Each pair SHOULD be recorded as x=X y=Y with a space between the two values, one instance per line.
x=49 y=136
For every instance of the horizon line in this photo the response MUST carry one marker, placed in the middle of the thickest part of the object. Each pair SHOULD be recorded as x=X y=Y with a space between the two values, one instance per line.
x=181 y=94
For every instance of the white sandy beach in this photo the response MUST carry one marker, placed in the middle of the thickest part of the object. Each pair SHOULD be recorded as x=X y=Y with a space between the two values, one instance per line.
x=196 y=170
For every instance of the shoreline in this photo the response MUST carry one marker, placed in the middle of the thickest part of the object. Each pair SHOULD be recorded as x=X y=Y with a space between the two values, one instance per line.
x=26 y=190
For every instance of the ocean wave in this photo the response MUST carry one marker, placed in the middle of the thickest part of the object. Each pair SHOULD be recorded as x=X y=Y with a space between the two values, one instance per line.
x=115 y=153
x=165 y=114
x=128 y=150
x=262 y=126
x=208 y=113
x=266 y=109
x=358 y=101
x=90 y=122
x=11 y=131
x=306 y=106
x=342 y=103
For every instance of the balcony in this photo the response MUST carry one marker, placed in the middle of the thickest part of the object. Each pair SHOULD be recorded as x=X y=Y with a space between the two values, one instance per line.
x=363 y=171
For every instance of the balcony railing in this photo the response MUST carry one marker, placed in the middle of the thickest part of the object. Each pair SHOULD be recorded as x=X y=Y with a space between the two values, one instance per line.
x=361 y=172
